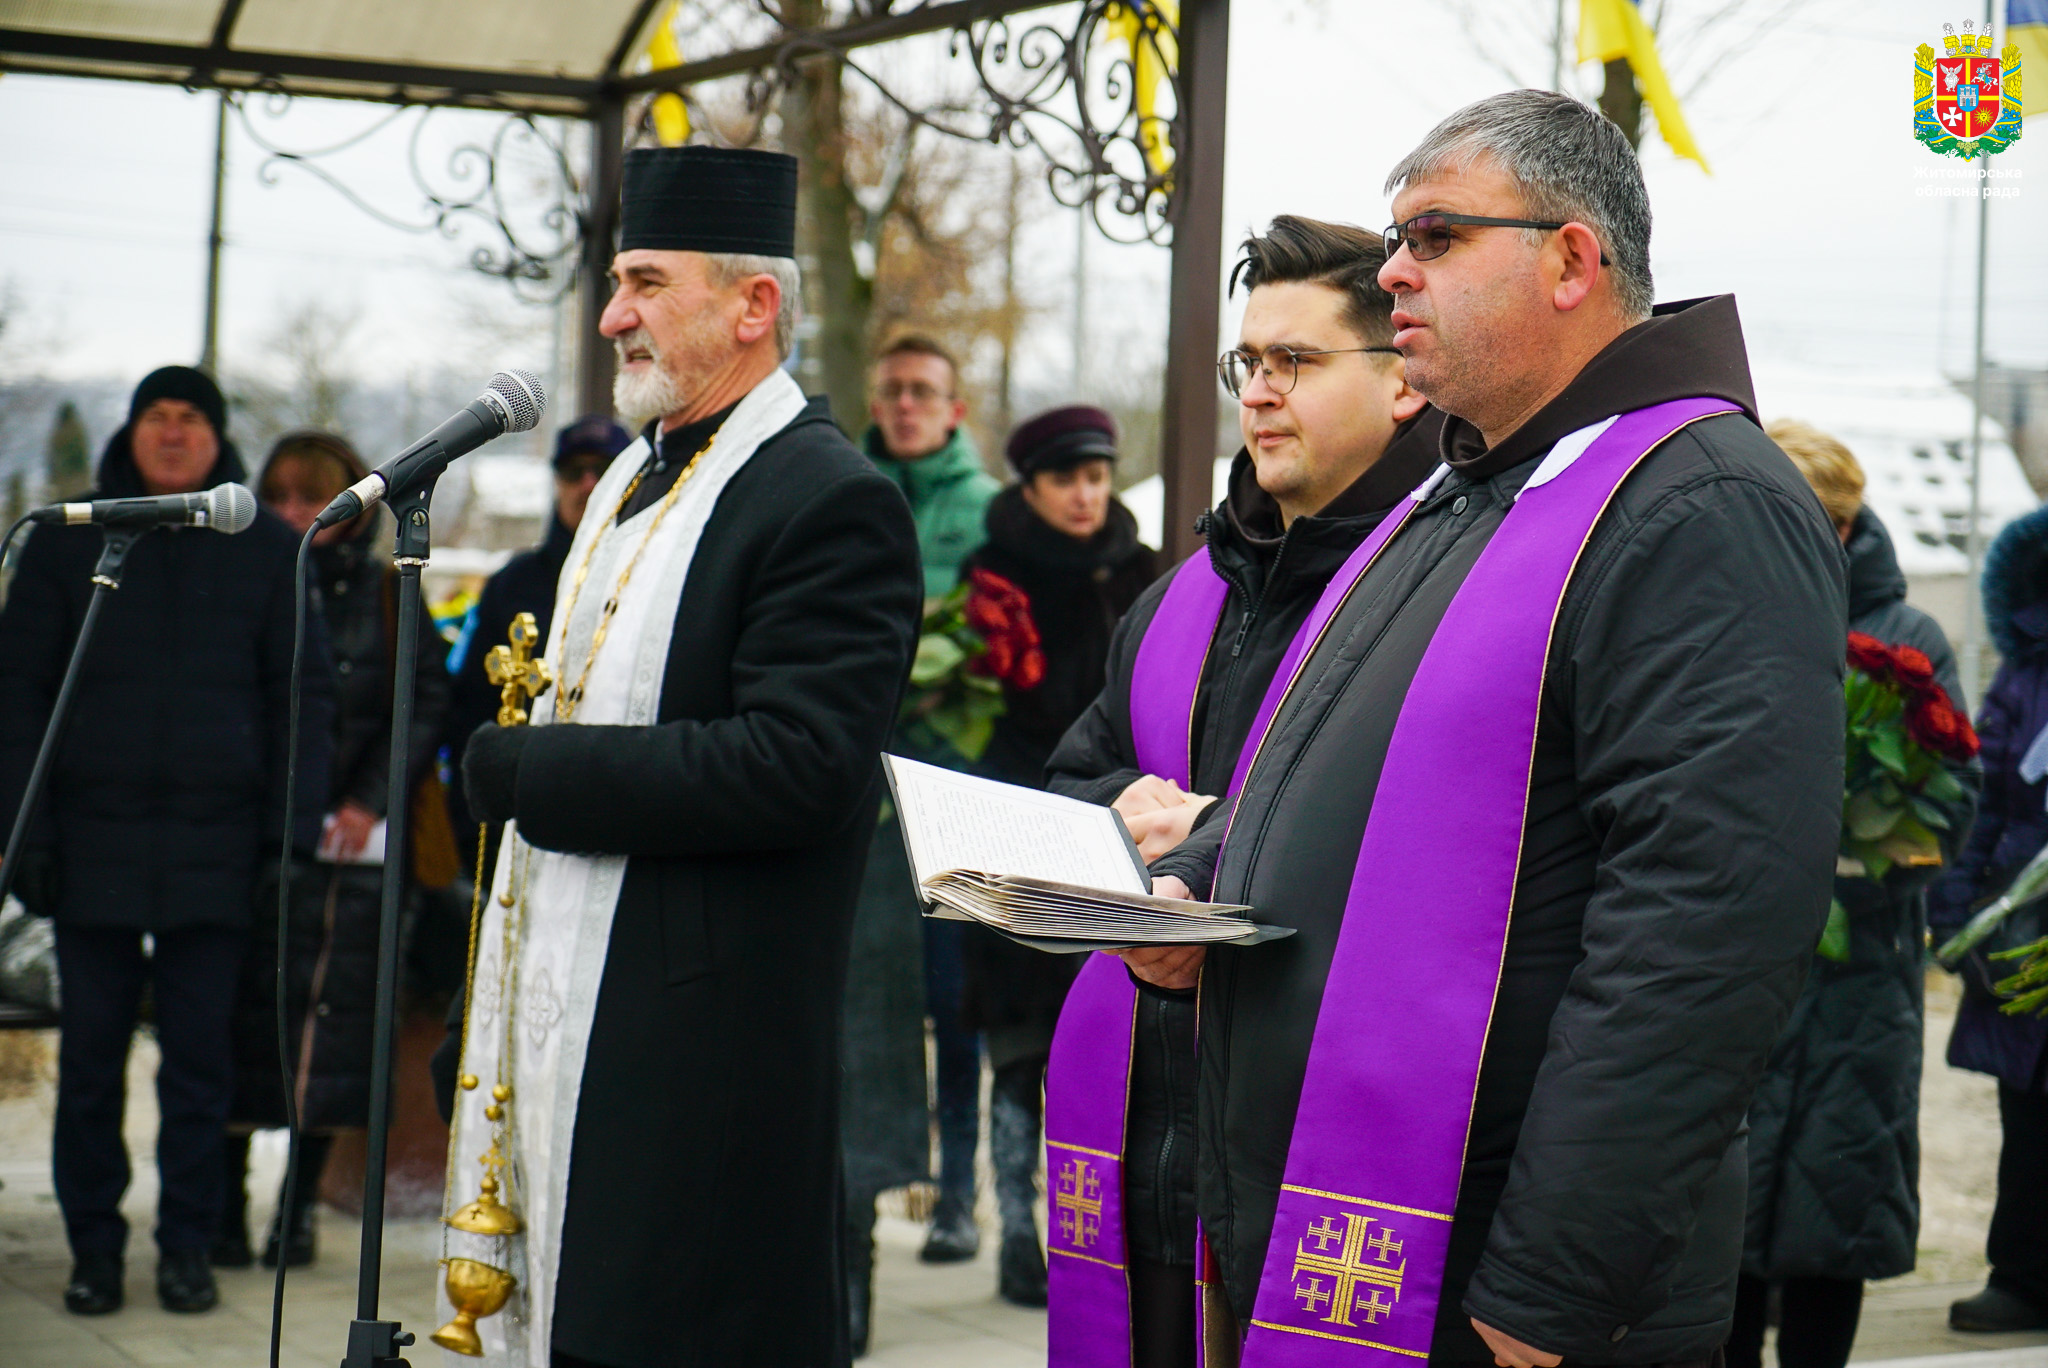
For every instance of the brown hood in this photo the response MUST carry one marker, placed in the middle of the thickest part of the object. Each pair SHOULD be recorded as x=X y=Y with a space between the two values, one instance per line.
x=1688 y=349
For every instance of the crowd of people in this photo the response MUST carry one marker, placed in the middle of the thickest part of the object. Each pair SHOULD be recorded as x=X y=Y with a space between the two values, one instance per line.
x=1509 y=677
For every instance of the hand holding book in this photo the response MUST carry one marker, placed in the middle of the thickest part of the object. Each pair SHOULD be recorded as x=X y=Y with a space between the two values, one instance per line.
x=1047 y=871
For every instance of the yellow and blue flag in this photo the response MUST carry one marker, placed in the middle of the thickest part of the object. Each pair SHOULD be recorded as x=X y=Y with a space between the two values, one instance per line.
x=1610 y=30
x=671 y=116
x=2026 y=28
x=1154 y=56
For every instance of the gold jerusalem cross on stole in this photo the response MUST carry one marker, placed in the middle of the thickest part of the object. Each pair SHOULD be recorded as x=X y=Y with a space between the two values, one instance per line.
x=521 y=676
x=1339 y=1254
x=1077 y=1198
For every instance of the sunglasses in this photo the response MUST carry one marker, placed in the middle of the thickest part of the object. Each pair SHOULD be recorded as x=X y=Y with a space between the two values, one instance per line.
x=1428 y=236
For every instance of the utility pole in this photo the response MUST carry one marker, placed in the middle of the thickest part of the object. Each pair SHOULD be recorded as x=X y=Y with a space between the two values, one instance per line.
x=1973 y=543
x=1082 y=227
x=1557 y=51
x=209 y=345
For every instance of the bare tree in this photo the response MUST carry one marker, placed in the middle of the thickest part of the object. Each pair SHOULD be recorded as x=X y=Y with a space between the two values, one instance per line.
x=1696 y=39
x=311 y=385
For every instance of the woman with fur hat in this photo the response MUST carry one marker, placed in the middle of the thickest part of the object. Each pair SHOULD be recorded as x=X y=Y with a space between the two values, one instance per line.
x=2012 y=826
x=1061 y=565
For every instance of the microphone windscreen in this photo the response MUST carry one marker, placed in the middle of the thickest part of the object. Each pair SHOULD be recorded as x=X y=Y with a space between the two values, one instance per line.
x=524 y=398
x=230 y=508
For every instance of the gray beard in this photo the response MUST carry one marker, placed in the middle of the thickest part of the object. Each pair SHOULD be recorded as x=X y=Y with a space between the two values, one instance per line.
x=639 y=399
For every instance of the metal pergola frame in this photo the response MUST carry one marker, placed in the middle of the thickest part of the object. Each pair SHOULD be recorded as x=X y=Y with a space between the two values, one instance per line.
x=1187 y=447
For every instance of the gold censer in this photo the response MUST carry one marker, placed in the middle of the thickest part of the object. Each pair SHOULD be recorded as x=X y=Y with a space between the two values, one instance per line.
x=480 y=1287
x=475 y=1288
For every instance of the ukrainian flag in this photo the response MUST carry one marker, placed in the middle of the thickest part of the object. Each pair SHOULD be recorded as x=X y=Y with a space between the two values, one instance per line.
x=2026 y=28
x=1612 y=29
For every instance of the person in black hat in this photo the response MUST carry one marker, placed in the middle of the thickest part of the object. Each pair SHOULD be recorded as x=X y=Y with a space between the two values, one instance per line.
x=733 y=627
x=164 y=808
x=1064 y=556
x=584 y=450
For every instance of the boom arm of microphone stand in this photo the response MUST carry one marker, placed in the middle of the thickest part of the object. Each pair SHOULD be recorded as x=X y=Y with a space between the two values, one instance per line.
x=106 y=578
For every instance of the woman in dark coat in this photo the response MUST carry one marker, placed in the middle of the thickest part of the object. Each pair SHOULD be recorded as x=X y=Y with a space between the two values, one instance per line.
x=1834 y=1143
x=2011 y=828
x=1062 y=564
x=332 y=961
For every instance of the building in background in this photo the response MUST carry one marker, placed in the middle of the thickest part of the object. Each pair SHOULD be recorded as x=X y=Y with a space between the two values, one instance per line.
x=1911 y=432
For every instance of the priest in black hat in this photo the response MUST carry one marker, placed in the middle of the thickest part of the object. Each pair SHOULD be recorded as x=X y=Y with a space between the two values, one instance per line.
x=658 y=979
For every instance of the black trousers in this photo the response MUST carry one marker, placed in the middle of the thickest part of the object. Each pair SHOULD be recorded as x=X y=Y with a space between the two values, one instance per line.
x=1817 y=1322
x=1162 y=1314
x=958 y=1066
x=192 y=976
x=2017 y=1246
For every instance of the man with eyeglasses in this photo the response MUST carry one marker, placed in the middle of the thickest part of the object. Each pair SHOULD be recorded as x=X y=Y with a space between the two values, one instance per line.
x=1552 y=803
x=919 y=439
x=1334 y=438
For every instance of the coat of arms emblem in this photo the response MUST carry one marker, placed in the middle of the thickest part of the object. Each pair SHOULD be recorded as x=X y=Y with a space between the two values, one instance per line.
x=1966 y=103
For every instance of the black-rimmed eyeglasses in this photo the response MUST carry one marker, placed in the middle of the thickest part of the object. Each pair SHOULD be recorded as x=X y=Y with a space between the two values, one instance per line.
x=1280 y=365
x=1428 y=236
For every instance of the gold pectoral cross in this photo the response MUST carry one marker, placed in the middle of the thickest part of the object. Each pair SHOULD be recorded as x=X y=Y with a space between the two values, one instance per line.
x=520 y=675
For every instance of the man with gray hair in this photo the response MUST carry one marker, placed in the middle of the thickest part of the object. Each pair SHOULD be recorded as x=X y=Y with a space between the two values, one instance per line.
x=1588 y=675
x=652 y=1044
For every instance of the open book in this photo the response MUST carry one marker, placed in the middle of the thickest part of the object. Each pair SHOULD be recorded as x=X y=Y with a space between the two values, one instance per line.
x=1047 y=871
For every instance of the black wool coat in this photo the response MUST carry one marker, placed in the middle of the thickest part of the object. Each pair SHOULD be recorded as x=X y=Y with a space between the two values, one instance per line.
x=167 y=795
x=704 y=1212
x=331 y=967
x=1679 y=848
x=1078 y=591
x=1834 y=1132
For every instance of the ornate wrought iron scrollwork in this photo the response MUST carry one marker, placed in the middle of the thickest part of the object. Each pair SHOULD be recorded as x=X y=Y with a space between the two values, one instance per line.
x=534 y=250
x=1100 y=103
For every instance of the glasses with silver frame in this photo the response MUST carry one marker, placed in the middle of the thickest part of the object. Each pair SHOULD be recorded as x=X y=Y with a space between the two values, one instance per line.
x=1280 y=365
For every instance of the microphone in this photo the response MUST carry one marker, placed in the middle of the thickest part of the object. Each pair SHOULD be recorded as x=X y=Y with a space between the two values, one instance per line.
x=224 y=508
x=513 y=403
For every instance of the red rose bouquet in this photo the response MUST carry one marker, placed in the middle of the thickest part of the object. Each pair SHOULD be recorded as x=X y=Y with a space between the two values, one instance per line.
x=1903 y=731
x=1001 y=612
x=953 y=700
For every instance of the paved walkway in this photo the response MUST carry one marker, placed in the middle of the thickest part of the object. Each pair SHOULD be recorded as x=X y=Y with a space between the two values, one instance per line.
x=925 y=1317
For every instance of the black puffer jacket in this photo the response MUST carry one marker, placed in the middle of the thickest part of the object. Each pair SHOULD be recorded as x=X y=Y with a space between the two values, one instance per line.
x=334 y=908
x=168 y=792
x=1834 y=1132
x=1679 y=849
x=1275 y=575
x=1078 y=590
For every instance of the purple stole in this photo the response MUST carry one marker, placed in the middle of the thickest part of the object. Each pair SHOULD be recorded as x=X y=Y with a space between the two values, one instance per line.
x=1354 y=1267
x=1087 y=1080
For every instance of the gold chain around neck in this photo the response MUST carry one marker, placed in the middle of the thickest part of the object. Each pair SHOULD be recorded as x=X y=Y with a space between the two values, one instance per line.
x=569 y=699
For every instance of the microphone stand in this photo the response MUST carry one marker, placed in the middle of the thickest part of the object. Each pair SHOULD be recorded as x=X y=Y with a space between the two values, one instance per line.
x=373 y=1342
x=106 y=578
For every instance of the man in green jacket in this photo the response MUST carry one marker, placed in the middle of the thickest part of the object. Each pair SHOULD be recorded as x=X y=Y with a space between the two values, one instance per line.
x=917 y=440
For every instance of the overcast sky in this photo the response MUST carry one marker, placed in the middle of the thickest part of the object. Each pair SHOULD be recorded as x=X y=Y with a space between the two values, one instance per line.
x=1813 y=215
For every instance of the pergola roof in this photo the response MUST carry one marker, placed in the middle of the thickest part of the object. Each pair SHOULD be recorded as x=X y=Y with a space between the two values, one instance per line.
x=545 y=56
x=540 y=55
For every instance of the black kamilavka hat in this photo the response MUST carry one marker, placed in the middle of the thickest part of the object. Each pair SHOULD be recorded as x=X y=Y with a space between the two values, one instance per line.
x=708 y=199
